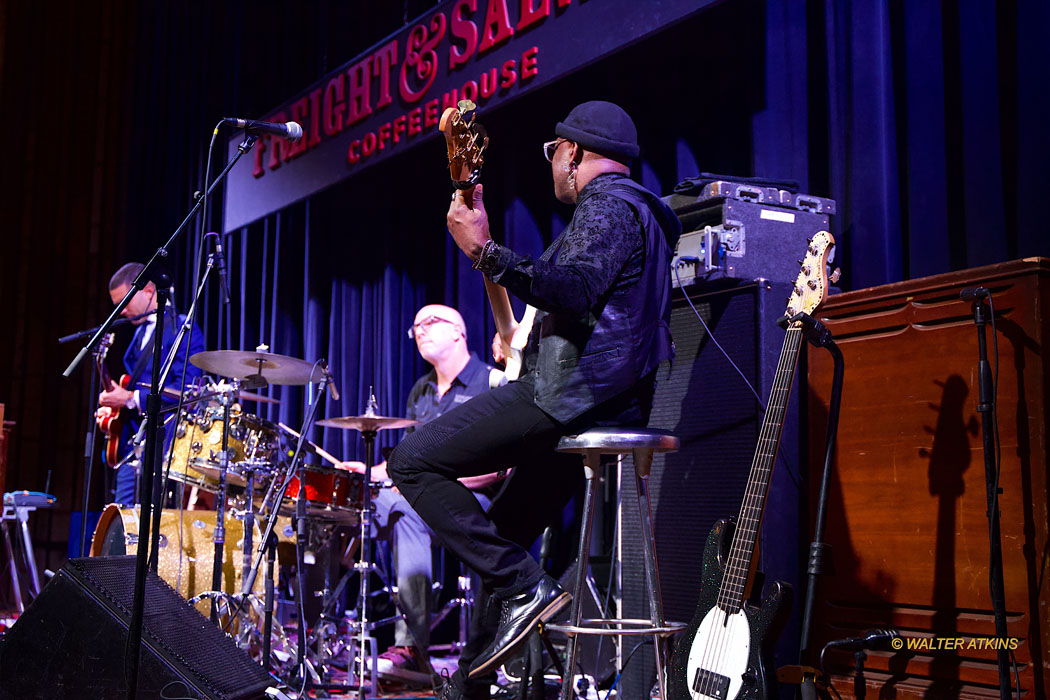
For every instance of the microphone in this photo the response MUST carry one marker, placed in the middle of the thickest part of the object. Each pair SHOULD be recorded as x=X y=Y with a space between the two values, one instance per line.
x=331 y=382
x=974 y=293
x=220 y=264
x=872 y=639
x=289 y=130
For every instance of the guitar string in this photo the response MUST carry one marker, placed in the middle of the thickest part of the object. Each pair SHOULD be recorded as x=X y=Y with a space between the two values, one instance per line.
x=770 y=429
x=769 y=435
x=750 y=511
x=718 y=647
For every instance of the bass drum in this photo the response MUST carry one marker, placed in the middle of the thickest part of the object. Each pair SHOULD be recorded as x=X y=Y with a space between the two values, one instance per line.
x=187 y=568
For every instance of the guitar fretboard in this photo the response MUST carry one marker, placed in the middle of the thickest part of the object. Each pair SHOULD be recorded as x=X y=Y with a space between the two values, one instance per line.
x=734 y=582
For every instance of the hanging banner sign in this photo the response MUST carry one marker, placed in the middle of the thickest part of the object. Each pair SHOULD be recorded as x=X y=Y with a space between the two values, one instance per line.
x=390 y=98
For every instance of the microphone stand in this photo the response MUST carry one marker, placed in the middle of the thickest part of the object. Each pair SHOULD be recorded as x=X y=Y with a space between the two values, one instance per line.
x=819 y=551
x=149 y=469
x=985 y=405
x=162 y=283
x=169 y=361
x=85 y=334
x=162 y=252
x=89 y=457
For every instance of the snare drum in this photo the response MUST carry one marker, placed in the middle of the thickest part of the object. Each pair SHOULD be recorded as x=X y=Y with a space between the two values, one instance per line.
x=330 y=494
x=187 y=569
x=198 y=445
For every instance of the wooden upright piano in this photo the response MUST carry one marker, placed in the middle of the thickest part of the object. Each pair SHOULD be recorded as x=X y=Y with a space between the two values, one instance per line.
x=907 y=509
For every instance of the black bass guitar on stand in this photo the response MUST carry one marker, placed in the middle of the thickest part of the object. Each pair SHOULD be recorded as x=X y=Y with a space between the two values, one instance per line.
x=724 y=652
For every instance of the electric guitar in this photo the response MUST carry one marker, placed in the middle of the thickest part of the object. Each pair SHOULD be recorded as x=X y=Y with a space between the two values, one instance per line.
x=725 y=651
x=109 y=420
x=467 y=140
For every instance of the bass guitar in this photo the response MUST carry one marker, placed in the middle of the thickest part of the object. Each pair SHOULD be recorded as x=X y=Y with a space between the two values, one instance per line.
x=467 y=140
x=725 y=651
x=109 y=420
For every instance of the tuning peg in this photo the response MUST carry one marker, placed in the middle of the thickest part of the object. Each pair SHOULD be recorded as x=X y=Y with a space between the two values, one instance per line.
x=812 y=284
x=799 y=262
x=836 y=274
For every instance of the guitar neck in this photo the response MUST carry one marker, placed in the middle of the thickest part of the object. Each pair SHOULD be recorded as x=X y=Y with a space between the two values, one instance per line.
x=741 y=553
x=502 y=312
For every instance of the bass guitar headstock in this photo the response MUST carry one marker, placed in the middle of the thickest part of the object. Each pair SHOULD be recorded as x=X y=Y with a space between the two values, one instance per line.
x=811 y=285
x=466 y=140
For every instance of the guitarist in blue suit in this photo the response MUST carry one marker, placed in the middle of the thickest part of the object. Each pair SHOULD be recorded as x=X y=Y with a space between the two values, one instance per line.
x=138 y=361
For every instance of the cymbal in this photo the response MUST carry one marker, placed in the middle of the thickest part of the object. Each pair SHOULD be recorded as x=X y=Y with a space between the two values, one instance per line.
x=242 y=364
x=367 y=423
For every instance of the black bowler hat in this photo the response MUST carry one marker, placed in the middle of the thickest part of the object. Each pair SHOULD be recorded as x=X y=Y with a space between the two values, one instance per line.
x=602 y=127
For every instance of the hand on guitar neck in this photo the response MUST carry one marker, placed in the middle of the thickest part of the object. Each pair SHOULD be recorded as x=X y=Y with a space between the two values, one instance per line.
x=468 y=222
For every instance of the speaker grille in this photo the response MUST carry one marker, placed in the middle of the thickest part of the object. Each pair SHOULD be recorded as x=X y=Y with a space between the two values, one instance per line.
x=705 y=403
x=72 y=639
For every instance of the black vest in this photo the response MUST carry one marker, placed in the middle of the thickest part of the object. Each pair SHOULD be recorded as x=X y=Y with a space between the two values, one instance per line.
x=583 y=361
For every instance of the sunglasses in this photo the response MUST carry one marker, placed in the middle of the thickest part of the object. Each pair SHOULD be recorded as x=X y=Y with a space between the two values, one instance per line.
x=551 y=147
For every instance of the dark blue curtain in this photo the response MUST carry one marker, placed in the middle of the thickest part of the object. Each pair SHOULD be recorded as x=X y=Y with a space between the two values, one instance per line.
x=922 y=120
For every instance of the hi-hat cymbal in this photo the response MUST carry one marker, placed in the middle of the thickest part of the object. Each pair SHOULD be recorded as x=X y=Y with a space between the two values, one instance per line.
x=243 y=364
x=367 y=423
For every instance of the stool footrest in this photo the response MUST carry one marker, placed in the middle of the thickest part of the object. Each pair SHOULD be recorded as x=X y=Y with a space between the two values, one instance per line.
x=625 y=627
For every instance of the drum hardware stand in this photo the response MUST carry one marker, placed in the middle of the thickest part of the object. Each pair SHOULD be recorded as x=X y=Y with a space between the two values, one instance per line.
x=361 y=626
x=464 y=602
x=219 y=536
x=273 y=499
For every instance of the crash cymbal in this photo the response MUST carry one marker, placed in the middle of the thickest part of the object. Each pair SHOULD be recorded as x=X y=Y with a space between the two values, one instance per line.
x=245 y=364
x=367 y=423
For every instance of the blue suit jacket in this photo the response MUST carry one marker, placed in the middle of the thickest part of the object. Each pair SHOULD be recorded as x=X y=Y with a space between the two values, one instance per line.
x=135 y=349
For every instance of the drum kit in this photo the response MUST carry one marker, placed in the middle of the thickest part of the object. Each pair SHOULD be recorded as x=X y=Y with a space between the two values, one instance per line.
x=257 y=473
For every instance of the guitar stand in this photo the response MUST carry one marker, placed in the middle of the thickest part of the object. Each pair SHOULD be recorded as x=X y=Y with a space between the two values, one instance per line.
x=819 y=551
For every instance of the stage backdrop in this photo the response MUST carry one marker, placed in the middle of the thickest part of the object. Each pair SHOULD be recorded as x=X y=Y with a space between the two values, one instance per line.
x=924 y=121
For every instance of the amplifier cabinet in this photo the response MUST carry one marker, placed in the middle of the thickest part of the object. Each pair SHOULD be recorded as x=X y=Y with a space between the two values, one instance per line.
x=704 y=402
x=907 y=508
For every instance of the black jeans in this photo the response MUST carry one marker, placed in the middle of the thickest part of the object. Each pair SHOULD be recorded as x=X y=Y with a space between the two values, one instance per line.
x=500 y=429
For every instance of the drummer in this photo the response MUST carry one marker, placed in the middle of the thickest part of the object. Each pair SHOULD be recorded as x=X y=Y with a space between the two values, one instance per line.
x=138 y=362
x=457 y=375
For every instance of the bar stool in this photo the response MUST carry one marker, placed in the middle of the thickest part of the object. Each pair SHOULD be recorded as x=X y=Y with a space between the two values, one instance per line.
x=641 y=443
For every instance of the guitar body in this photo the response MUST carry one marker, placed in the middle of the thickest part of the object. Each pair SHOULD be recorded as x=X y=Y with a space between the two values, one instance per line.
x=110 y=420
x=727 y=657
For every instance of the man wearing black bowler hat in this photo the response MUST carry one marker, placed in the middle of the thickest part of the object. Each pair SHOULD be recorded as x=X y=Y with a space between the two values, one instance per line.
x=603 y=289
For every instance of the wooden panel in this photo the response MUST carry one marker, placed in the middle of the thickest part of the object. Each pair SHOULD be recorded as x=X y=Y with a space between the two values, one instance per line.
x=907 y=508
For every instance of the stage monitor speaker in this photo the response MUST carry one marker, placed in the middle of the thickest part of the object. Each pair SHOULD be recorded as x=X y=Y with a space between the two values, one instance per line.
x=70 y=642
x=705 y=403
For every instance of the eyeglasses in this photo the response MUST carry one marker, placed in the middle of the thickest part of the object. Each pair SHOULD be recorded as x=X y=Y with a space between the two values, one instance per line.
x=426 y=324
x=551 y=147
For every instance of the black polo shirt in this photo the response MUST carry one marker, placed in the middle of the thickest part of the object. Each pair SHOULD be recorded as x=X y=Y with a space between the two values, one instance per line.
x=423 y=402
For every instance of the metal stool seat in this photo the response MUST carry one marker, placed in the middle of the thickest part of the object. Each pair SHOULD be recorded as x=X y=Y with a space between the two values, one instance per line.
x=642 y=444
